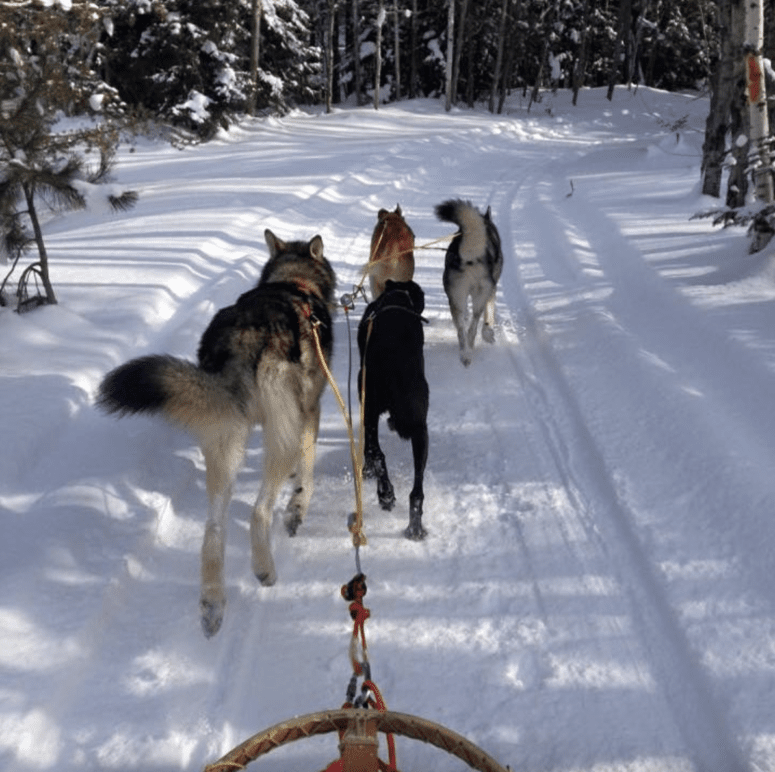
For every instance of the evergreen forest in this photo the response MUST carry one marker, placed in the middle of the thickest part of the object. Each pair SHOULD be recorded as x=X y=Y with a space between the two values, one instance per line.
x=200 y=63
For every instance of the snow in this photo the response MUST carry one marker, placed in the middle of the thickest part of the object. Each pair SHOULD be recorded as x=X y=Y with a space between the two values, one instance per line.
x=196 y=106
x=595 y=593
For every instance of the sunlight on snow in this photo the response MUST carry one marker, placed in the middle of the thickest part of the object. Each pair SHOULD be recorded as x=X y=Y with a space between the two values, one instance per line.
x=591 y=673
x=38 y=738
x=29 y=647
x=156 y=671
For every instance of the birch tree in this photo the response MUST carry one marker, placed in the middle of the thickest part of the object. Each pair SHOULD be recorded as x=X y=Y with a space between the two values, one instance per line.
x=498 y=75
x=256 y=10
x=756 y=94
x=397 y=48
x=450 y=54
x=413 y=74
x=378 y=54
x=356 y=48
x=330 y=35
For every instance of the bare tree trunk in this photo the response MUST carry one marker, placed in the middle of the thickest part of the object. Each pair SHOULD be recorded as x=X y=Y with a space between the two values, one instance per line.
x=542 y=63
x=397 y=45
x=256 y=10
x=378 y=67
x=580 y=66
x=42 y=253
x=638 y=38
x=450 y=52
x=757 y=101
x=459 y=44
x=413 y=74
x=497 y=74
x=510 y=59
x=330 y=43
x=717 y=122
x=737 y=184
x=621 y=48
x=356 y=24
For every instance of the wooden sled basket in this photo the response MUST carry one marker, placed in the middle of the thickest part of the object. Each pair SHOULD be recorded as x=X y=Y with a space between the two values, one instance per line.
x=357 y=729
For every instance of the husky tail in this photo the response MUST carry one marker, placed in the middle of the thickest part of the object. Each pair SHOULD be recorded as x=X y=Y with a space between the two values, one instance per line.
x=179 y=390
x=471 y=222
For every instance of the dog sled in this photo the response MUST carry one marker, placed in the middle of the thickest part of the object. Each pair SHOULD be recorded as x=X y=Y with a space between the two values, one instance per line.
x=361 y=719
x=358 y=745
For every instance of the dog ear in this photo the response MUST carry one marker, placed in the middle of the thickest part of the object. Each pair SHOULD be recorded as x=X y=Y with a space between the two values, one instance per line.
x=316 y=248
x=275 y=245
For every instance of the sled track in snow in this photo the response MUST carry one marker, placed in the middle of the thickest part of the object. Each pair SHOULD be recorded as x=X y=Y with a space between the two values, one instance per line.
x=590 y=487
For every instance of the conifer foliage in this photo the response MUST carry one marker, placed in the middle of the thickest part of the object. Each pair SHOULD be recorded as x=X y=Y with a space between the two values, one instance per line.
x=187 y=61
x=45 y=72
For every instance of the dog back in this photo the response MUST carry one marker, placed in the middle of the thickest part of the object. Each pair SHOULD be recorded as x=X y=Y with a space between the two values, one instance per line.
x=392 y=251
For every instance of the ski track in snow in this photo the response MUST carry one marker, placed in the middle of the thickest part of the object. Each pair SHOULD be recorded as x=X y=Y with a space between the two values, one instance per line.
x=591 y=488
x=588 y=597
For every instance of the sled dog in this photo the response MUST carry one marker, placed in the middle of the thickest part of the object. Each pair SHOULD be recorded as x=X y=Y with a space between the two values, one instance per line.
x=257 y=364
x=472 y=267
x=392 y=251
x=390 y=341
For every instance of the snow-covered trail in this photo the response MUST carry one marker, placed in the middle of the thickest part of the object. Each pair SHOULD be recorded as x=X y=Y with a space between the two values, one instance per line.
x=593 y=594
x=658 y=419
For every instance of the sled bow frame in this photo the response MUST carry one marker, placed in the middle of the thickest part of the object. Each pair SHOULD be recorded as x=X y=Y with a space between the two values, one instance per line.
x=357 y=728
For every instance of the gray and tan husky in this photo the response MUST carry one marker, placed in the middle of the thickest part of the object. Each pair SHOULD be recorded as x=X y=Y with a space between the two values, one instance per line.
x=472 y=267
x=257 y=364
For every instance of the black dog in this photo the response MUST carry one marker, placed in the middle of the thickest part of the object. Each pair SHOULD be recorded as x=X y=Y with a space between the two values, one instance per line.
x=390 y=341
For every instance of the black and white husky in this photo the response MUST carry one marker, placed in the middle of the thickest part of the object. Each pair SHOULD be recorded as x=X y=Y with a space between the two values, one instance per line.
x=472 y=267
x=257 y=364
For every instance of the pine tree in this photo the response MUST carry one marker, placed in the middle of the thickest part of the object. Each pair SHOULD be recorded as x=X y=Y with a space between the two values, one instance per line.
x=45 y=71
x=195 y=63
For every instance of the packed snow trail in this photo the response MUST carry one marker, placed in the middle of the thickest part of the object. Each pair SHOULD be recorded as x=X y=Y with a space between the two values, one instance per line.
x=588 y=482
x=594 y=593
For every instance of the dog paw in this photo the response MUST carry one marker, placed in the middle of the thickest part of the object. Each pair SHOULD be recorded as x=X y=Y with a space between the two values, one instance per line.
x=387 y=497
x=387 y=502
x=268 y=578
x=292 y=522
x=212 y=615
x=263 y=564
x=415 y=532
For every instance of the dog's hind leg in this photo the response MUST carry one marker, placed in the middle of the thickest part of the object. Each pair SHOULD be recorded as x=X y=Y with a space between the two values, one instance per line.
x=482 y=303
x=298 y=505
x=374 y=464
x=472 y=327
x=282 y=451
x=223 y=457
x=458 y=305
x=415 y=528
x=488 y=333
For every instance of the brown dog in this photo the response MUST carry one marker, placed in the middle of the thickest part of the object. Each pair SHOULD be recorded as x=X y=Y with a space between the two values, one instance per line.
x=392 y=251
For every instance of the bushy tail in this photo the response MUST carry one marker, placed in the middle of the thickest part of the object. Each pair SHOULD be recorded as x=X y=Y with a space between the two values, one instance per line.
x=470 y=221
x=176 y=388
